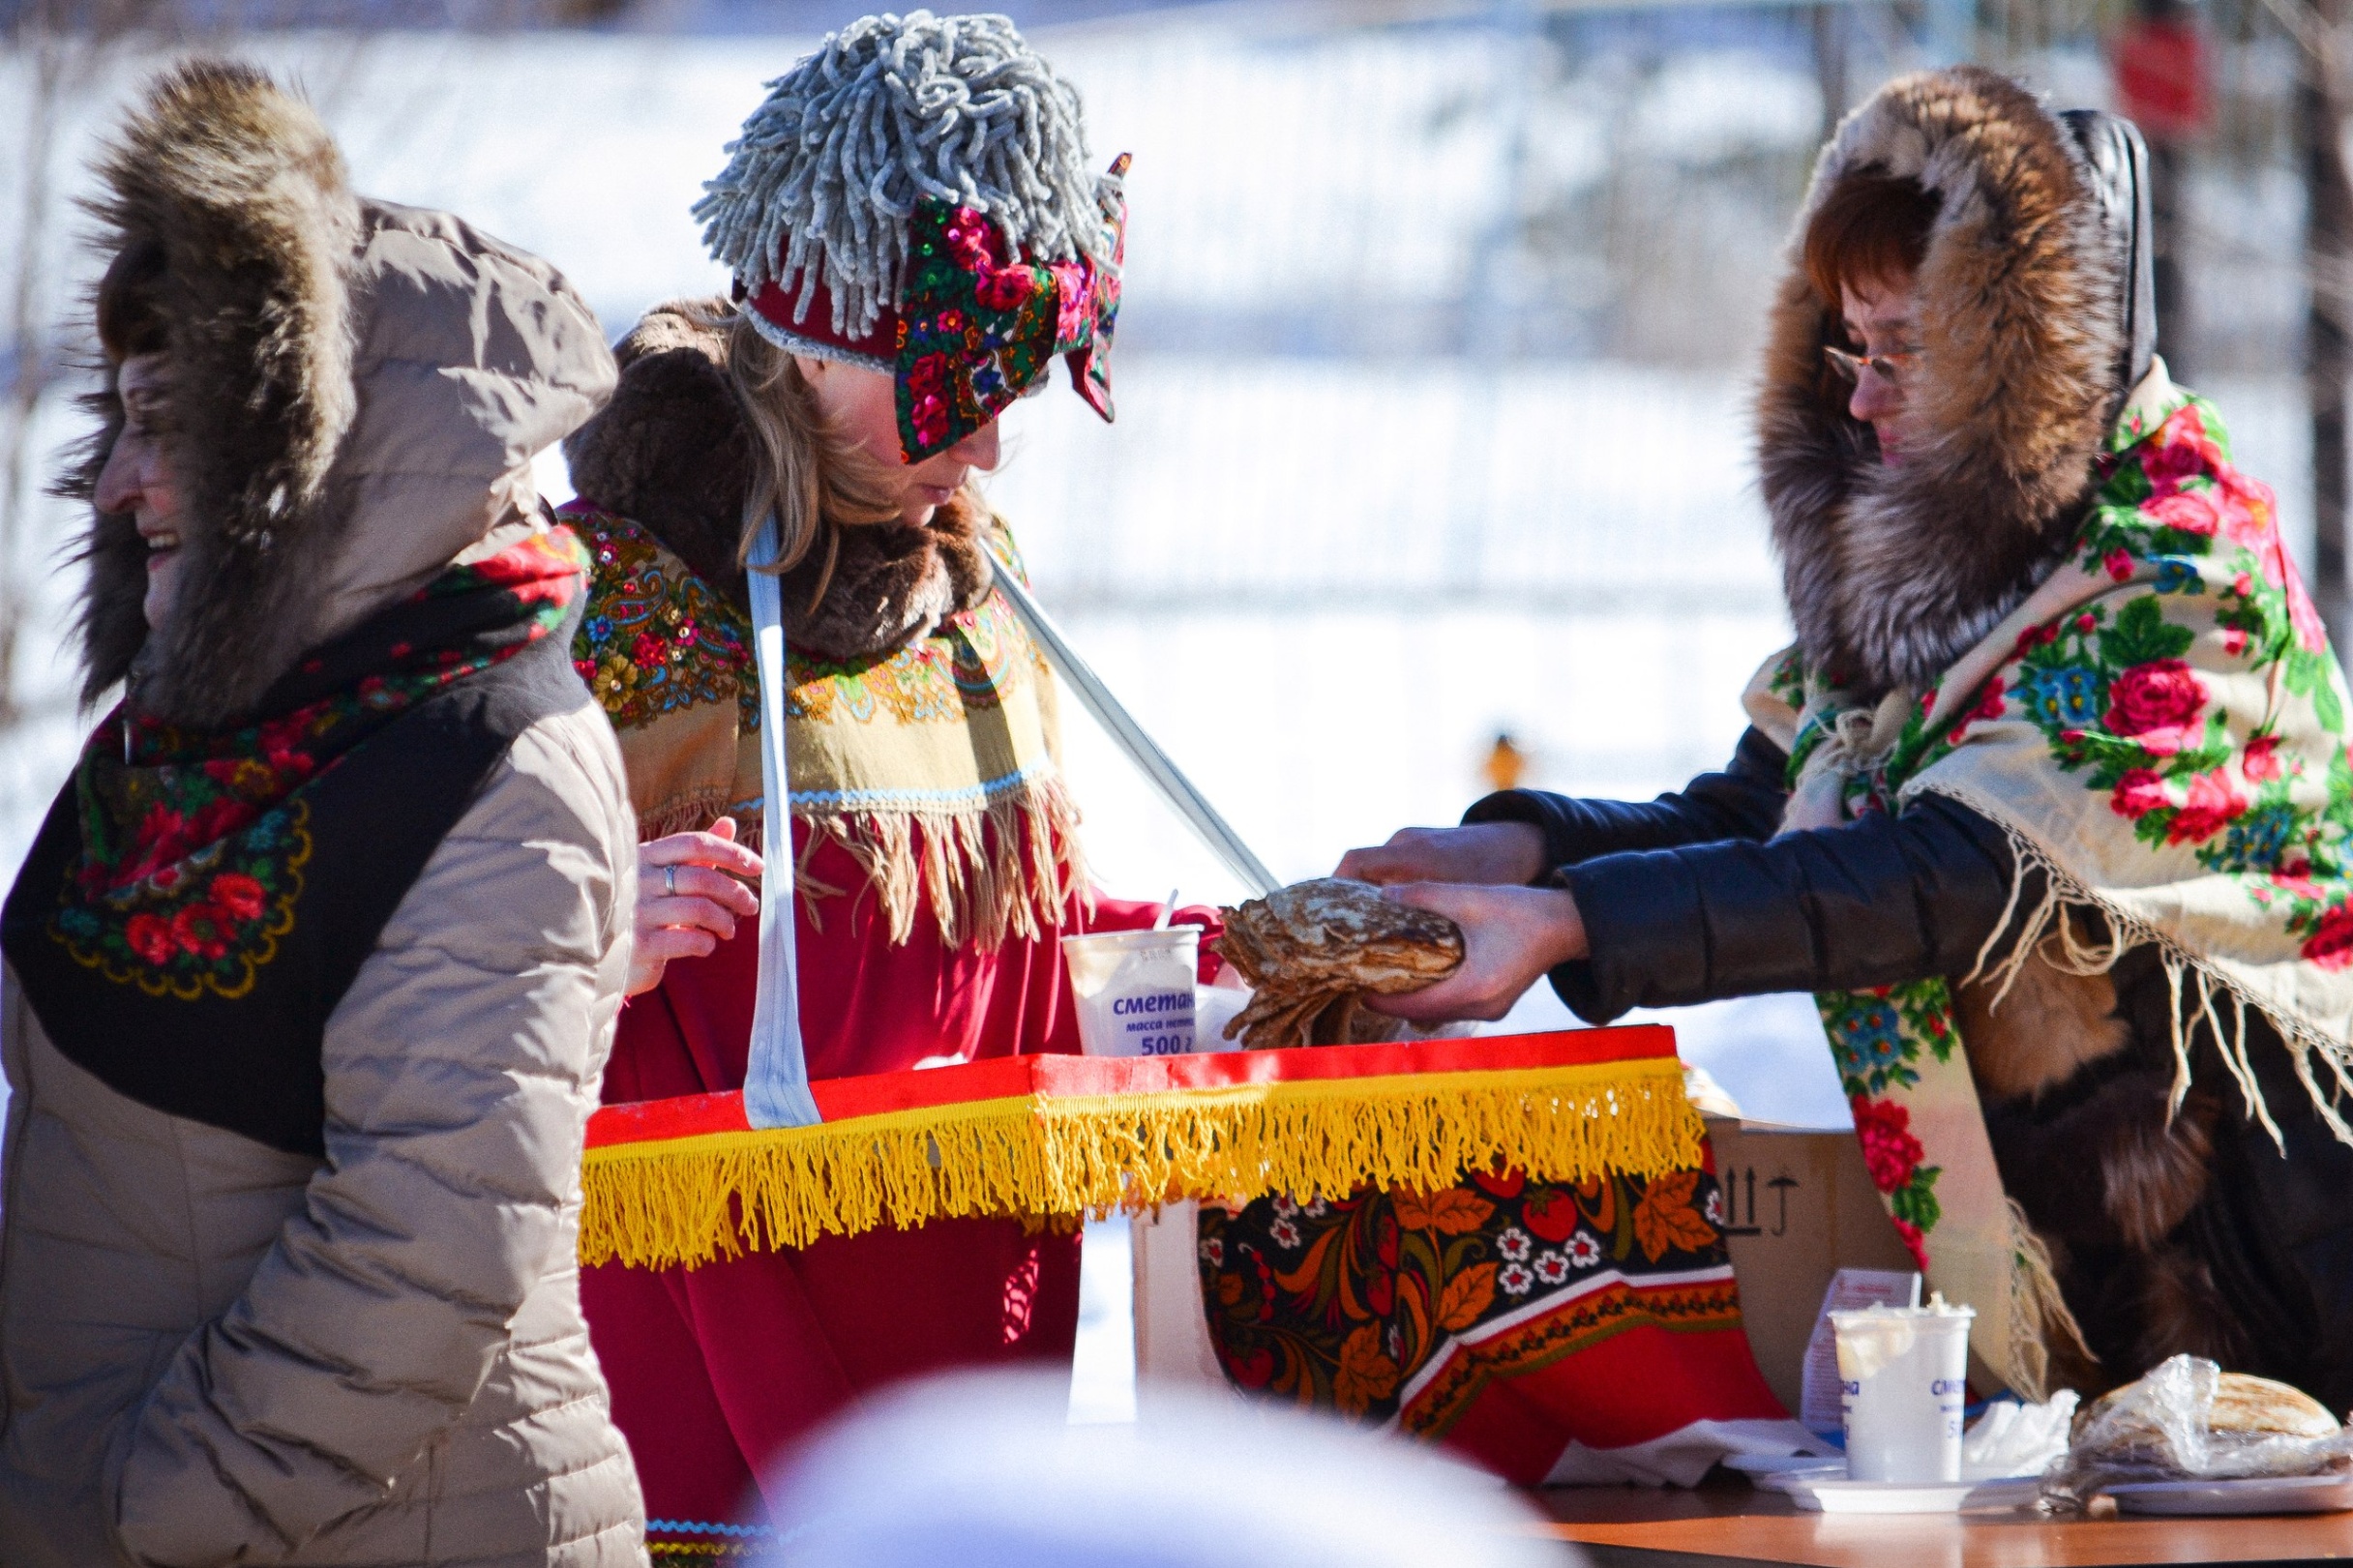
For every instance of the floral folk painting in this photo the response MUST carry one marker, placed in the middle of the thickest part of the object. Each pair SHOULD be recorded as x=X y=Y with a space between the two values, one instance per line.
x=979 y=328
x=1494 y=1314
x=2160 y=727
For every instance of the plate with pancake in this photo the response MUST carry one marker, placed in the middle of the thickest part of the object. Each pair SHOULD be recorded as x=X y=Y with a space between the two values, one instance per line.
x=2328 y=1494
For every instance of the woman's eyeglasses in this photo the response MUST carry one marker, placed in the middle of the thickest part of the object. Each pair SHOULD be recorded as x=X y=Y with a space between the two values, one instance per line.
x=1893 y=366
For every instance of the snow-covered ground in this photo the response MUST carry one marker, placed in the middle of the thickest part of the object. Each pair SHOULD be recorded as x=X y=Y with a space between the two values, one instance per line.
x=1324 y=561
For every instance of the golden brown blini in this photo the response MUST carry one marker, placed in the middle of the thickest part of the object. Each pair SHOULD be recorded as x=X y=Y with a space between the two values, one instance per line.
x=1311 y=950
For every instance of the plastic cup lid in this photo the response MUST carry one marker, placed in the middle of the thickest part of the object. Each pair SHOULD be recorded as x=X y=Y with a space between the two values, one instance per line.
x=1119 y=940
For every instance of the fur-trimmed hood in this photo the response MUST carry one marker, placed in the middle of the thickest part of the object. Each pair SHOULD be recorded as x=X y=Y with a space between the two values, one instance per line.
x=672 y=453
x=355 y=391
x=2035 y=322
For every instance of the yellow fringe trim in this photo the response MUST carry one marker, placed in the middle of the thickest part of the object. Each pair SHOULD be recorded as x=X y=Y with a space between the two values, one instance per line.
x=691 y=1201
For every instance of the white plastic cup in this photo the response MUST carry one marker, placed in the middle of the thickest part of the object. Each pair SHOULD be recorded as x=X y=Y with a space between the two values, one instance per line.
x=1904 y=1374
x=1134 y=990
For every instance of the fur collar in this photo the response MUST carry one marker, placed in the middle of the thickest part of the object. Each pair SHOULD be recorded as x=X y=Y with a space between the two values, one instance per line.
x=672 y=453
x=1894 y=571
x=243 y=191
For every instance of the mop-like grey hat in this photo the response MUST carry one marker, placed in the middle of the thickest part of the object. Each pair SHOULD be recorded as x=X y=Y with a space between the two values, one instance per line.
x=820 y=185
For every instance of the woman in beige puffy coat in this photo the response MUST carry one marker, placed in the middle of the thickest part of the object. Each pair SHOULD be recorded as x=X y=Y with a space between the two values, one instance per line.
x=313 y=967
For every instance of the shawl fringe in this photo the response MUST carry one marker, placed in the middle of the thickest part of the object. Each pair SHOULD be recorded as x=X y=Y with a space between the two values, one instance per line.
x=695 y=812
x=2186 y=971
x=1011 y=870
x=2039 y=1313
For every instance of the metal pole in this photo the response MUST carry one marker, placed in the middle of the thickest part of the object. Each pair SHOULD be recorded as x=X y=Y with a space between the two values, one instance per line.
x=1830 y=64
x=2328 y=349
x=1166 y=778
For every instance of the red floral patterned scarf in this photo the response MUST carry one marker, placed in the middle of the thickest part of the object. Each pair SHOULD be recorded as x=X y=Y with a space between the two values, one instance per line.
x=197 y=903
x=2161 y=729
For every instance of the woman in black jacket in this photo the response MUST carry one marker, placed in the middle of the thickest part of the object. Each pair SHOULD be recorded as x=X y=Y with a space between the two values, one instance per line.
x=1962 y=417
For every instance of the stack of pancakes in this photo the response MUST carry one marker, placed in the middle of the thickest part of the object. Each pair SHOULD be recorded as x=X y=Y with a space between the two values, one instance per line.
x=1313 y=951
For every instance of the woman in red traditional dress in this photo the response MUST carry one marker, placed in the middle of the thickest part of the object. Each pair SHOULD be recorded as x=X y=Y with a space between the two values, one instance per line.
x=896 y=290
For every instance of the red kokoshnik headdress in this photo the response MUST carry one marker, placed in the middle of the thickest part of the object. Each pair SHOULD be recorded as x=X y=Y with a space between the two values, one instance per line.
x=914 y=198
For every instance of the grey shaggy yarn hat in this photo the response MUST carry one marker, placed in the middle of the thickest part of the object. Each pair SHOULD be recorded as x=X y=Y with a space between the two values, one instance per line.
x=888 y=110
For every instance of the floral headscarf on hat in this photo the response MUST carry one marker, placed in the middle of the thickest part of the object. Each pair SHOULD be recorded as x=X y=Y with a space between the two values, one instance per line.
x=914 y=198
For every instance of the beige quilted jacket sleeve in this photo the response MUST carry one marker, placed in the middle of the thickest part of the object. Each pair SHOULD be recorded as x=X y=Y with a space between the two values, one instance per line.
x=461 y=1068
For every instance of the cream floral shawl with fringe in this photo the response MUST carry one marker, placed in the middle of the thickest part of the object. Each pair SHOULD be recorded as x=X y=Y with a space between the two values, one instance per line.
x=2161 y=728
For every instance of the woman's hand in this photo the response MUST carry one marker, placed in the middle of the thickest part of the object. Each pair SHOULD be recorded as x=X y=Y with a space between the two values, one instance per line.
x=689 y=898
x=1511 y=935
x=1494 y=854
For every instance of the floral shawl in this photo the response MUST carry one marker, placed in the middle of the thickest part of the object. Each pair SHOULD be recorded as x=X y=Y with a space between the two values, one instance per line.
x=196 y=902
x=2161 y=728
x=934 y=764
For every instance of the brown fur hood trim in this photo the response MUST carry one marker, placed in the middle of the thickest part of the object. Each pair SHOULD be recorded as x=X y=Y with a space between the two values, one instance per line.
x=1894 y=571
x=354 y=392
x=672 y=453
x=242 y=190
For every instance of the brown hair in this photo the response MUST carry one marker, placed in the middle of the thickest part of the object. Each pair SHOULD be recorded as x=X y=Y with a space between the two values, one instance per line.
x=131 y=319
x=1871 y=228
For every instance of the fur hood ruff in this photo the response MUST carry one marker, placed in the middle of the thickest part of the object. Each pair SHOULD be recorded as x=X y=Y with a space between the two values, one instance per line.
x=672 y=453
x=2033 y=326
x=355 y=392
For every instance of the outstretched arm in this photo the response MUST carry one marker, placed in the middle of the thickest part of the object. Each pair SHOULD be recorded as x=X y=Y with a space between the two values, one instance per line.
x=1869 y=903
x=1522 y=836
x=1743 y=801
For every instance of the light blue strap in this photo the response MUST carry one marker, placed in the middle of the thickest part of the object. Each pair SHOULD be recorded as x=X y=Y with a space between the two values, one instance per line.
x=776 y=1082
x=1167 y=779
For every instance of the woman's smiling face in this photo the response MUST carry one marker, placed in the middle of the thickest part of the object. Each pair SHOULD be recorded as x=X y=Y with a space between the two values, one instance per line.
x=136 y=480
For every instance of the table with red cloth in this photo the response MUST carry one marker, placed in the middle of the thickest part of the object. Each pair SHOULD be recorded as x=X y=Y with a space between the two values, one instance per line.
x=717 y=1371
x=728 y=1231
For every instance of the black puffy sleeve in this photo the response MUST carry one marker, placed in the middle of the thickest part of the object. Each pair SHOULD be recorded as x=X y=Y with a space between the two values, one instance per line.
x=1872 y=902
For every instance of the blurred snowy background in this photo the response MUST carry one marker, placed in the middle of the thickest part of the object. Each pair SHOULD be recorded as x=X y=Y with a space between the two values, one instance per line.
x=1432 y=374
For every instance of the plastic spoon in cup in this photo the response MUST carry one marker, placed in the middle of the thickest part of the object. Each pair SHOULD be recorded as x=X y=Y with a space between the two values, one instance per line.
x=1168 y=911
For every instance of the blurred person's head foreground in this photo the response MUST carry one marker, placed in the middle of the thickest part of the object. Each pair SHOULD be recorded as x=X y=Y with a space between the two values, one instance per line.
x=986 y=1471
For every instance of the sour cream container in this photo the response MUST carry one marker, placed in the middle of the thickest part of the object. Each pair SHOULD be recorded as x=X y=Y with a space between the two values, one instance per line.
x=1903 y=1371
x=1134 y=990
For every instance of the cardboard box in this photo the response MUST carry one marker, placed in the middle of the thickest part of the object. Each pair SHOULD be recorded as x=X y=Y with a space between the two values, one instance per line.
x=1798 y=1206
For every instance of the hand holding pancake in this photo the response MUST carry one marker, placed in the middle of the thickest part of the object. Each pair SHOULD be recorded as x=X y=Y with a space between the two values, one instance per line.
x=1314 y=950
